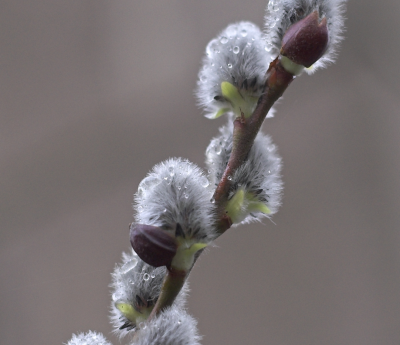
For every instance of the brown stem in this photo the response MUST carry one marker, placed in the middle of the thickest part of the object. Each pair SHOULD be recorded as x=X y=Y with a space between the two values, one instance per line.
x=244 y=133
x=172 y=285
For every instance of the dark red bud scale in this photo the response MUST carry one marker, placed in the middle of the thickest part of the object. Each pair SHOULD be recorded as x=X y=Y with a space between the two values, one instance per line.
x=306 y=41
x=153 y=245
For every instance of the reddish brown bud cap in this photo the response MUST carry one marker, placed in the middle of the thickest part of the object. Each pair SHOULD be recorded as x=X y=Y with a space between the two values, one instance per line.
x=153 y=245
x=305 y=41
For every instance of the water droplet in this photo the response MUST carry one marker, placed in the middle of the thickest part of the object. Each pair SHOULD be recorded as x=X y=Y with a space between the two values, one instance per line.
x=218 y=149
x=140 y=208
x=212 y=47
x=203 y=78
x=229 y=65
x=235 y=50
x=268 y=48
x=230 y=178
x=171 y=171
x=146 y=184
x=271 y=147
x=141 y=192
x=186 y=195
x=165 y=210
x=179 y=322
x=116 y=296
x=131 y=282
x=152 y=181
x=146 y=277
x=224 y=40
x=243 y=32
x=152 y=275
x=179 y=187
x=204 y=182
x=269 y=172
x=128 y=266
x=212 y=201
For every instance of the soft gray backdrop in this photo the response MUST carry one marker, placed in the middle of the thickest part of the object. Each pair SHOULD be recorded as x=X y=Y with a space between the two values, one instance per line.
x=94 y=93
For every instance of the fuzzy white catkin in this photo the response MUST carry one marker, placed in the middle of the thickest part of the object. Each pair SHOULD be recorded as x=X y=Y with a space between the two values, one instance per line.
x=259 y=175
x=89 y=338
x=173 y=326
x=136 y=278
x=281 y=14
x=177 y=192
x=237 y=55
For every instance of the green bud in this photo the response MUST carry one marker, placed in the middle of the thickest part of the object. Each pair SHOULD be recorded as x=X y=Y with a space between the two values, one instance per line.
x=242 y=203
x=184 y=257
x=242 y=103
x=132 y=314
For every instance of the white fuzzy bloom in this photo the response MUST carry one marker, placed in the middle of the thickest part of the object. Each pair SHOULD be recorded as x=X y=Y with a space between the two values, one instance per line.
x=238 y=56
x=89 y=338
x=257 y=183
x=135 y=288
x=281 y=14
x=176 y=192
x=173 y=326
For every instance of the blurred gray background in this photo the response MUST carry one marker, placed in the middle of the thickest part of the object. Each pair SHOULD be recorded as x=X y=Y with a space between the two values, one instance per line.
x=94 y=93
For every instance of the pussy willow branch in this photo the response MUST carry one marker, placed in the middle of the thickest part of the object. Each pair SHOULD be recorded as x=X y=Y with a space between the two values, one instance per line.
x=244 y=133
